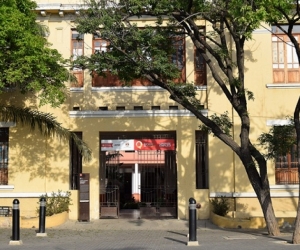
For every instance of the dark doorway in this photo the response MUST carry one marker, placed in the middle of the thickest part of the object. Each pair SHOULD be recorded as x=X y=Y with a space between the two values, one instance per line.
x=142 y=180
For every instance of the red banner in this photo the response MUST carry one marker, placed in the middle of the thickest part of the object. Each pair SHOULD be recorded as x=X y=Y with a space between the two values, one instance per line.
x=154 y=144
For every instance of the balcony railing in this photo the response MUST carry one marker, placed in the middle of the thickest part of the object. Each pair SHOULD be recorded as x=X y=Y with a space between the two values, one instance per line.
x=286 y=176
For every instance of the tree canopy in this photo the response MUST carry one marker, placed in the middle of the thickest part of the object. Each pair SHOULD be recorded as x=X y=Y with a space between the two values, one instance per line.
x=26 y=59
x=29 y=65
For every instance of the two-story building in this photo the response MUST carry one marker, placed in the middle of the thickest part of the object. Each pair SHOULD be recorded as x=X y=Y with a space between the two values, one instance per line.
x=147 y=151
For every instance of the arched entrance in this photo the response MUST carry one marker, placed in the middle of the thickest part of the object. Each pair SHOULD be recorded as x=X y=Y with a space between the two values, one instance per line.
x=138 y=175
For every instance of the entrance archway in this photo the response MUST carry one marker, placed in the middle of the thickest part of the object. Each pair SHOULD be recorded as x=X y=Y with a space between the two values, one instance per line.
x=138 y=175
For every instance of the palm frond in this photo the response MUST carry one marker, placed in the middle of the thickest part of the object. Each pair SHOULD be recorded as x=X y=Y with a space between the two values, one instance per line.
x=45 y=123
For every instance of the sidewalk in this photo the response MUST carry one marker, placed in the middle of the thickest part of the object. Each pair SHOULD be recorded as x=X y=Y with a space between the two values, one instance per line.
x=144 y=234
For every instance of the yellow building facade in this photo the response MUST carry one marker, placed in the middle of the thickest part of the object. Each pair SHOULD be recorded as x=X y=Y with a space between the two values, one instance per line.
x=175 y=160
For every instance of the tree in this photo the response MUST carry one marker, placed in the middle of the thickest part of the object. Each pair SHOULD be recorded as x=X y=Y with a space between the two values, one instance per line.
x=29 y=65
x=146 y=53
x=285 y=14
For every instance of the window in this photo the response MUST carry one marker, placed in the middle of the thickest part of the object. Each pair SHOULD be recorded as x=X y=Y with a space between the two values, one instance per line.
x=4 y=133
x=108 y=80
x=173 y=107
x=199 y=69
x=101 y=46
x=155 y=107
x=285 y=62
x=75 y=163
x=178 y=57
x=199 y=66
x=201 y=160
x=286 y=170
x=77 y=50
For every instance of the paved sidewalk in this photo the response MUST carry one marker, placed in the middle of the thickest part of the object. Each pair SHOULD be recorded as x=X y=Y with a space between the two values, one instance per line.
x=144 y=234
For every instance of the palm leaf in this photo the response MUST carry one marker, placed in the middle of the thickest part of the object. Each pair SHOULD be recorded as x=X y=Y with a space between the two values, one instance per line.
x=45 y=123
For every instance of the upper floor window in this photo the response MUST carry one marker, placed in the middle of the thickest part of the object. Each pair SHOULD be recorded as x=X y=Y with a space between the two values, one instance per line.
x=285 y=61
x=107 y=79
x=77 y=46
x=199 y=69
x=178 y=57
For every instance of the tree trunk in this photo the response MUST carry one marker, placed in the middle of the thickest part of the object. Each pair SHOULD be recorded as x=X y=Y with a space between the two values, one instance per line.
x=268 y=211
x=261 y=186
x=296 y=234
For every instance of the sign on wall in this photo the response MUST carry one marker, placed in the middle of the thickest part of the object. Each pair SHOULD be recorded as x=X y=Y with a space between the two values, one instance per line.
x=138 y=144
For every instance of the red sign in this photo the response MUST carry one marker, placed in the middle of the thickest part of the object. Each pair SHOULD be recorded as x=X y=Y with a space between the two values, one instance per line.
x=106 y=145
x=154 y=144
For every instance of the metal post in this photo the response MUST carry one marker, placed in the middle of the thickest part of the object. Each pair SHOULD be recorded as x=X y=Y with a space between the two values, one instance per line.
x=42 y=218
x=16 y=220
x=192 y=223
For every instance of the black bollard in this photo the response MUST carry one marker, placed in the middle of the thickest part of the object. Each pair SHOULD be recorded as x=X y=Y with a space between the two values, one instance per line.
x=192 y=223
x=16 y=220
x=192 y=220
x=42 y=218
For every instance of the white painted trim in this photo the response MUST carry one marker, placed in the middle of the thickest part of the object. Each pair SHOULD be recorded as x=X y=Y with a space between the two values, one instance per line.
x=7 y=187
x=127 y=89
x=283 y=86
x=278 y=122
x=27 y=195
x=284 y=187
x=7 y=124
x=131 y=89
x=58 y=6
x=253 y=195
x=133 y=113
x=80 y=90
x=220 y=194
x=261 y=31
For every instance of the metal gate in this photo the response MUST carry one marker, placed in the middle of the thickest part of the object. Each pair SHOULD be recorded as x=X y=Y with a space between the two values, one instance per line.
x=158 y=183
x=139 y=174
x=109 y=184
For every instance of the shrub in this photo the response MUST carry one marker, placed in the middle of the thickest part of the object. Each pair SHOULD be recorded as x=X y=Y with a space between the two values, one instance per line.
x=220 y=205
x=57 y=203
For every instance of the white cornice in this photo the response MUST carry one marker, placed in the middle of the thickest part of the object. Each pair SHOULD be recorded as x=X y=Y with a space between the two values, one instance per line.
x=7 y=124
x=278 y=122
x=132 y=113
x=283 y=86
x=287 y=193
x=27 y=195
x=129 y=89
x=57 y=6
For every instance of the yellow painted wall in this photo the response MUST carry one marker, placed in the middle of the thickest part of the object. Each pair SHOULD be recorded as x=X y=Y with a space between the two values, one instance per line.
x=39 y=165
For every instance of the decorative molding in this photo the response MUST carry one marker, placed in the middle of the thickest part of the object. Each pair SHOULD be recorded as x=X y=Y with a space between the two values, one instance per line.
x=127 y=89
x=283 y=86
x=76 y=90
x=27 y=195
x=285 y=187
x=7 y=187
x=131 y=89
x=278 y=122
x=261 y=31
x=133 y=113
x=253 y=195
x=7 y=124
